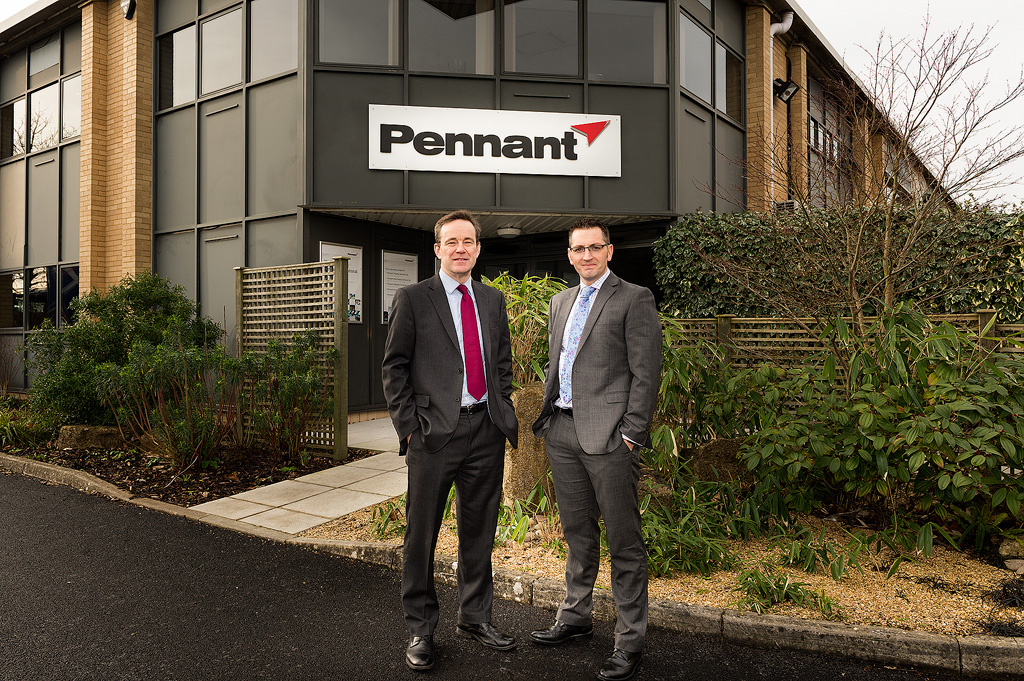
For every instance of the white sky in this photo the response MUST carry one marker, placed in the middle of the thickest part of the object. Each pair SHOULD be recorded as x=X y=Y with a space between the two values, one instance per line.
x=850 y=26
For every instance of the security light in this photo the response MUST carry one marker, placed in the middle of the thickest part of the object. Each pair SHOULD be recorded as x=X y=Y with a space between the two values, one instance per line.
x=785 y=89
x=128 y=8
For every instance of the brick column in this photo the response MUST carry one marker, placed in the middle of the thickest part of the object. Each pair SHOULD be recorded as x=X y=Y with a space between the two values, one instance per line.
x=759 y=99
x=798 y=121
x=117 y=143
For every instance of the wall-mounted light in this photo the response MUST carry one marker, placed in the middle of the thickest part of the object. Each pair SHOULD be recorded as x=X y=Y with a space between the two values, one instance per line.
x=785 y=89
x=128 y=8
x=509 y=232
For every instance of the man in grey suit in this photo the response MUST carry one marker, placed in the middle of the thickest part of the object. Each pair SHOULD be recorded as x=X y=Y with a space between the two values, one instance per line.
x=447 y=375
x=603 y=373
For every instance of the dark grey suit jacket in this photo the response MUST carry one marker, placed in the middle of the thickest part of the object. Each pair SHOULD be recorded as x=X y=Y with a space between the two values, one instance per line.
x=423 y=367
x=617 y=370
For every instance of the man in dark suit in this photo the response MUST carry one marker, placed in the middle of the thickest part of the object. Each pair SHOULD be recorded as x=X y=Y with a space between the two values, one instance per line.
x=604 y=369
x=447 y=375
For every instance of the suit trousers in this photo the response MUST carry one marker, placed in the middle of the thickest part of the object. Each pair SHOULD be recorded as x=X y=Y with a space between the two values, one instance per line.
x=474 y=460
x=588 y=486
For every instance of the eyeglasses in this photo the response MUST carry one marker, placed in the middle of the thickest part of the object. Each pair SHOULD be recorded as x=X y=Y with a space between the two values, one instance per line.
x=596 y=248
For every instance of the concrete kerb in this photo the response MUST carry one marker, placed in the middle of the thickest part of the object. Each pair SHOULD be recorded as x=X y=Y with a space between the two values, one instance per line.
x=973 y=656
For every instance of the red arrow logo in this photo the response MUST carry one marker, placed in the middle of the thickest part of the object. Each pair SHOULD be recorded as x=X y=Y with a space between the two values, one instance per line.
x=591 y=130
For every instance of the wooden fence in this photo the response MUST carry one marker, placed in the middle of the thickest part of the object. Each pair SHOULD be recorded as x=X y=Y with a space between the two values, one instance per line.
x=280 y=302
x=785 y=342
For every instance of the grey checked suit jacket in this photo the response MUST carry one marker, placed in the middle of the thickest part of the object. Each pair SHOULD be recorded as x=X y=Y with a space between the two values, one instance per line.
x=423 y=368
x=617 y=370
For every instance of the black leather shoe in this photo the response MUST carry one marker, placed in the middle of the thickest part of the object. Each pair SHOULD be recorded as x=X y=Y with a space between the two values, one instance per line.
x=487 y=635
x=560 y=633
x=620 y=666
x=420 y=653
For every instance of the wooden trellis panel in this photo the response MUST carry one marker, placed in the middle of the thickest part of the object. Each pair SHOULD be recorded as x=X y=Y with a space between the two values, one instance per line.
x=280 y=302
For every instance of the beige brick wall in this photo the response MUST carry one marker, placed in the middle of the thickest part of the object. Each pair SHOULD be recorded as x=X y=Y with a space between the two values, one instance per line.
x=117 y=143
x=798 y=121
x=759 y=99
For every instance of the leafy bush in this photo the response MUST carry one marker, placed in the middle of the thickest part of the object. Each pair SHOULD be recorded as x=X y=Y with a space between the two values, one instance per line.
x=725 y=263
x=527 y=302
x=927 y=420
x=142 y=308
x=288 y=390
x=761 y=587
x=181 y=399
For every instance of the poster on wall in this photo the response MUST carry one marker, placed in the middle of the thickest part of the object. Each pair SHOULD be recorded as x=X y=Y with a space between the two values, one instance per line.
x=398 y=270
x=329 y=251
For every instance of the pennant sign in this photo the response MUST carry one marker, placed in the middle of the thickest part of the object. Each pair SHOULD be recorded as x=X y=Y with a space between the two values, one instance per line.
x=591 y=130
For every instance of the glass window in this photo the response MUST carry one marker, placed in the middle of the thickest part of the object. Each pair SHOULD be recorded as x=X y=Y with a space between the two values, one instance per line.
x=42 y=295
x=12 y=129
x=68 y=293
x=359 y=32
x=627 y=41
x=42 y=57
x=542 y=36
x=695 y=58
x=220 y=50
x=706 y=3
x=12 y=300
x=43 y=127
x=728 y=83
x=178 y=67
x=72 y=49
x=451 y=37
x=13 y=71
x=71 y=108
x=275 y=37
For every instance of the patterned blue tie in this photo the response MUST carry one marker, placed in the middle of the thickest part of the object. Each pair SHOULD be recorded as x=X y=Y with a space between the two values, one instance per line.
x=575 y=331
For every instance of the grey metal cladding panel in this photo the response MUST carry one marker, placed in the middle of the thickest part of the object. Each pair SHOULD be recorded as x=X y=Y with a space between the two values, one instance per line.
x=175 y=258
x=730 y=145
x=220 y=251
x=459 y=93
x=694 y=165
x=541 y=192
x=70 y=212
x=43 y=208
x=730 y=20
x=174 y=13
x=175 y=181
x=340 y=154
x=273 y=147
x=207 y=6
x=221 y=167
x=277 y=241
x=9 y=344
x=644 y=184
x=539 y=96
x=12 y=215
x=469 y=190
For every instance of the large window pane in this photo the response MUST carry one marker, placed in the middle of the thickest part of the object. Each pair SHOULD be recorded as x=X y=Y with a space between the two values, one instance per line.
x=695 y=58
x=71 y=108
x=72 y=49
x=12 y=129
x=359 y=32
x=12 y=300
x=220 y=48
x=12 y=215
x=451 y=37
x=542 y=36
x=728 y=83
x=275 y=37
x=42 y=60
x=42 y=296
x=43 y=126
x=68 y=293
x=178 y=68
x=627 y=41
x=13 y=72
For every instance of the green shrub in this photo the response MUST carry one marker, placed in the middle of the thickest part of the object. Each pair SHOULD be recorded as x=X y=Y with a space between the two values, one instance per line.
x=287 y=391
x=927 y=420
x=143 y=308
x=527 y=302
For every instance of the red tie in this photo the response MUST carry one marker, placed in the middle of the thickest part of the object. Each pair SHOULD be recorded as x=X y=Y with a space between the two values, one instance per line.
x=471 y=347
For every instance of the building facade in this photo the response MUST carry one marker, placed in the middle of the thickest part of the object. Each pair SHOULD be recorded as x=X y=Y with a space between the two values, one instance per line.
x=196 y=136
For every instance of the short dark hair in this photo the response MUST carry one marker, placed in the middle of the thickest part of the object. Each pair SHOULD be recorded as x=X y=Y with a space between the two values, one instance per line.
x=452 y=217
x=591 y=223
